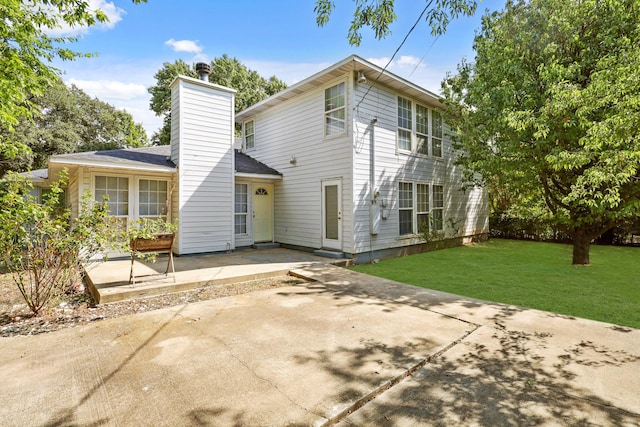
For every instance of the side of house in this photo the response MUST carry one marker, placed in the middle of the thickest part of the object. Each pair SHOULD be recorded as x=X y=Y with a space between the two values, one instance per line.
x=366 y=161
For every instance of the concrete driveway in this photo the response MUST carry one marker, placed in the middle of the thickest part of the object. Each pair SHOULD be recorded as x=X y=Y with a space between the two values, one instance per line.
x=348 y=348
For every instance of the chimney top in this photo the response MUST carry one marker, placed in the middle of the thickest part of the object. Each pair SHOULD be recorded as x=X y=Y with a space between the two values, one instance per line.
x=203 y=69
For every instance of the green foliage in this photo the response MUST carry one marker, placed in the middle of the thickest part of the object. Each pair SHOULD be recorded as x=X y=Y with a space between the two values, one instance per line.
x=529 y=274
x=378 y=15
x=26 y=50
x=41 y=246
x=550 y=109
x=69 y=121
x=251 y=88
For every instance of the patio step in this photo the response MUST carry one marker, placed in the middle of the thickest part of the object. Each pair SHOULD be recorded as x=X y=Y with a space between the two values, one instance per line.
x=267 y=245
x=329 y=254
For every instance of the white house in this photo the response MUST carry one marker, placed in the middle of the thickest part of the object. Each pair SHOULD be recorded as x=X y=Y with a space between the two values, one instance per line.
x=352 y=161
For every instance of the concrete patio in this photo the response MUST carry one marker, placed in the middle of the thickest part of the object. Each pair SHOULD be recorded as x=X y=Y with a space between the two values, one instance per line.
x=109 y=281
x=345 y=348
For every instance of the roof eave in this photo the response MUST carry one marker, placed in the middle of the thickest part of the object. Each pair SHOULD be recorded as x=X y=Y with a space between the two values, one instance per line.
x=351 y=63
x=110 y=165
x=258 y=176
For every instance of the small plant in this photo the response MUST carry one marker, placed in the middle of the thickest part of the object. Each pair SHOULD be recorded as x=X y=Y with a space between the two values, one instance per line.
x=149 y=229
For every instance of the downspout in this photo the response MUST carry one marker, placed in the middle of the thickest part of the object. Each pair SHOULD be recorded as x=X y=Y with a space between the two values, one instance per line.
x=374 y=215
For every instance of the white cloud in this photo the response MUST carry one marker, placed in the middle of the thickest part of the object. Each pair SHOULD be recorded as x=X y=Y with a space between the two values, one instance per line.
x=113 y=12
x=111 y=89
x=189 y=46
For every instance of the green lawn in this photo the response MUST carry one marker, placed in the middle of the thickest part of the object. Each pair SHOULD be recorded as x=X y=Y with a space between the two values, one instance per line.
x=529 y=274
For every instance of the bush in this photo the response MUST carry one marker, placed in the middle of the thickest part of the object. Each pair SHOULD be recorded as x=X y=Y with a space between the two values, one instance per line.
x=42 y=247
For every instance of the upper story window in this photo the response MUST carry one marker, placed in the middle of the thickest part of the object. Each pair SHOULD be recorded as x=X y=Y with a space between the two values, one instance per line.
x=405 y=126
x=334 y=110
x=422 y=130
x=419 y=129
x=249 y=135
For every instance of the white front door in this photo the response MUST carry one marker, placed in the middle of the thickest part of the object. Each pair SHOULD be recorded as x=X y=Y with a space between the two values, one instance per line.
x=332 y=214
x=263 y=212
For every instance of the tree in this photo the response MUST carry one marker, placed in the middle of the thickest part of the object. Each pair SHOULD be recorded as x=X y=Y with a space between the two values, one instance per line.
x=552 y=106
x=68 y=121
x=26 y=50
x=378 y=15
x=251 y=88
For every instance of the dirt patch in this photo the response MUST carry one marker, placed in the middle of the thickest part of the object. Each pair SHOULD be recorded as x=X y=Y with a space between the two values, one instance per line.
x=80 y=309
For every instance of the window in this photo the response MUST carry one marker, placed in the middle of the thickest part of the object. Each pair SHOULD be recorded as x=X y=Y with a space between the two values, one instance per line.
x=249 y=137
x=422 y=207
x=116 y=189
x=436 y=133
x=241 y=209
x=405 y=203
x=438 y=207
x=404 y=124
x=152 y=199
x=428 y=206
x=422 y=130
x=334 y=110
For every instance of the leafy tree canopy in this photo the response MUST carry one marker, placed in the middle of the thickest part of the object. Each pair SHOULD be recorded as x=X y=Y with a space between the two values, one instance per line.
x=378 y=15
x=251 y=87
x=552 y=106
x=26 y=50
x=68 y=121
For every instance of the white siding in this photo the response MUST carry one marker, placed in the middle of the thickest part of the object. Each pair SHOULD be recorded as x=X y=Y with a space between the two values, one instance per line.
x=295 y=129
x=464 y=211
x=202 y=148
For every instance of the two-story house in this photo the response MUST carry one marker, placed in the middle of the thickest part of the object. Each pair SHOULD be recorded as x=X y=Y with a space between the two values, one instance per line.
x=352 y=161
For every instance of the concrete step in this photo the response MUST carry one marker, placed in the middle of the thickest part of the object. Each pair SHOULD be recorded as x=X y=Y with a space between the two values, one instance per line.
x=329 y=254
x=267 y=245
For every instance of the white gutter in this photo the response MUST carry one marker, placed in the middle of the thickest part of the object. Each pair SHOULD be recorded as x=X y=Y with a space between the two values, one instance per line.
x=111 y=165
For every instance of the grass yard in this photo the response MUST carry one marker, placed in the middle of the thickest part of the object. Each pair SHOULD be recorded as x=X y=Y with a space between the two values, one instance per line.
x=529 y=274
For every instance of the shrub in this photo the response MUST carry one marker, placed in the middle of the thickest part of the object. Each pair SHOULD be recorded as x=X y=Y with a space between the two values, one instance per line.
x=42 y=247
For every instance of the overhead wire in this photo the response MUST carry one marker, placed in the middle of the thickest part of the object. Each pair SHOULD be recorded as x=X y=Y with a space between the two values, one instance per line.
x=397 y=50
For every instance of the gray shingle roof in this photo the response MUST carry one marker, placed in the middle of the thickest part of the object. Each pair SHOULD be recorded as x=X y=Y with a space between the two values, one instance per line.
x=157 y=156
x=145 y=156
x=247 y=164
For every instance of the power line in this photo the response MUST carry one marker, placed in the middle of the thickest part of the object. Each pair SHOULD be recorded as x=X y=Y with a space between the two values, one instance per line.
x=397 y=50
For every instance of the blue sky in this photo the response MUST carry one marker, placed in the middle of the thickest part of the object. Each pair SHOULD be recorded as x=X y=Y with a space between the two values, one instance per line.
x=277 y=37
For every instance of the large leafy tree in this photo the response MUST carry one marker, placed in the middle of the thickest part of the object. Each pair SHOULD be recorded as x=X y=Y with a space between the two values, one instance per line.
x=551 y=105
x=26 y=49
x=250 y=85
x=68 y=121
x=379 y=15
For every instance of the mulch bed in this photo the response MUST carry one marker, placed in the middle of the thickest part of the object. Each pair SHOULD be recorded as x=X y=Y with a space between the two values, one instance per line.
x=80 y=308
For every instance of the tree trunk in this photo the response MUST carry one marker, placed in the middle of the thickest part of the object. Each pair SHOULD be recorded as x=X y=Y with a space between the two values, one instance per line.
x=581 y=243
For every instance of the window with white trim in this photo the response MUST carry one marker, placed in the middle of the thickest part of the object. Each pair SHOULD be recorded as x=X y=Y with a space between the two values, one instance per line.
x=249 y=135
x=405 y=126
x=405 y=207
x=422 y=207
x=152 y=198
x=241 y=209
x=422 y=130
x=436 y=133
x=334 y=110
x=116 y=190
x=437 y=212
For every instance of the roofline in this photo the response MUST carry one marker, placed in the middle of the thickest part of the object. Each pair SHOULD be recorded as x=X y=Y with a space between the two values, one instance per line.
x=110 y=165
x=358 y=64
x=257 y=175
x=201 y=83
